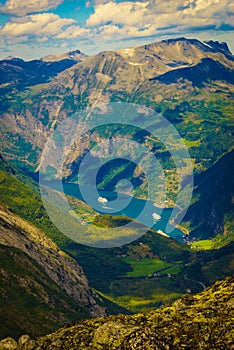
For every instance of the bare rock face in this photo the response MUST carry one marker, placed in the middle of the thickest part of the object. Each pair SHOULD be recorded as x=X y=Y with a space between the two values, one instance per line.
x=24 y=343
x=8 y=344
x=126 y=75
x=61 y=268
x=204 y=322
x=47 y=286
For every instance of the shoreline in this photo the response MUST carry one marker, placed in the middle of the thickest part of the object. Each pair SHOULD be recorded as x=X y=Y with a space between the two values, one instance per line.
x=182 y=229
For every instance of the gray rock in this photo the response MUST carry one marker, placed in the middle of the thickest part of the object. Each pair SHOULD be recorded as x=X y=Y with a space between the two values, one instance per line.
x=30 y=345
x=8 y=344
x=23 y=339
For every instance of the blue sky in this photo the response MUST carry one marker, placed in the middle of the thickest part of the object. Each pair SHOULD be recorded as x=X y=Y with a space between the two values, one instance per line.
x=34 y=28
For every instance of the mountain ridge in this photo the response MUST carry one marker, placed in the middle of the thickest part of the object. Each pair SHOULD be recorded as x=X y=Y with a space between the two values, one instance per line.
x=194 y=94
x=200 y=321
x=16 y=72
x=191 y=84
x=211 y=212
x=60 y=270
x=59 y=266
x=199 y=74
x=75 y=55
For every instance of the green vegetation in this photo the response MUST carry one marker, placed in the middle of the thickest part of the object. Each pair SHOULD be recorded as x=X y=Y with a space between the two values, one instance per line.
x=155 y=297
x=211 y=211
x=121 y=274
x=203 y=321
x=217 y=242
x=33 y=303
x=221 y=240
x=110 y=220
x=210 y=265
x=106 y=269
x=145 y=267
x=191 y=143
x=205 y=244
x=202 y=113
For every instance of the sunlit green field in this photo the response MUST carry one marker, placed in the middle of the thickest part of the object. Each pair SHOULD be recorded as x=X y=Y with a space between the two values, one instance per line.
x=203 y=244
x=145 y=266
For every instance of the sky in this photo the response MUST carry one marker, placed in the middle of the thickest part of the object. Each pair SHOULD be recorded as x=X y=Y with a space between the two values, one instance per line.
x=35 y=28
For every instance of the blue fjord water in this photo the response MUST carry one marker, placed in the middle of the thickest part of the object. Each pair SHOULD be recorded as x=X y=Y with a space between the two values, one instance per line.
x=123 y=204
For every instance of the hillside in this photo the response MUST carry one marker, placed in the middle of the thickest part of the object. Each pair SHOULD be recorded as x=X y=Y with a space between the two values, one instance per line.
x=31 y=302
x=160 y=76
x=105 y=268
x=37 y=277
x=45 y=279
x=124 y=275
x=16 y=72
x=203 y=72
x=211 y=212
x=157 y=75
x=190 y=83
x=203 y=321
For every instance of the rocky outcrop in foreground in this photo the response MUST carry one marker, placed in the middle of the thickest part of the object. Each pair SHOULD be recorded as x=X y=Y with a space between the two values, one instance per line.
x=61 y=268
x=203 y=321
x=41 y=287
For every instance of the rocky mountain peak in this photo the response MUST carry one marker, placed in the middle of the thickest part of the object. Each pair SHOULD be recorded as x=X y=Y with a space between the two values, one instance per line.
x=219 y=46
x=13 y=58
x=75 y=55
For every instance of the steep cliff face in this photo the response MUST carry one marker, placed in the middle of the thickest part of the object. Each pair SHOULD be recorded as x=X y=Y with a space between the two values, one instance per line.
x=178 y=77
x=203 y=321
x=31 y=302
x=125 y=70
x=61 y=268
x=24 y=240
x=212 y=212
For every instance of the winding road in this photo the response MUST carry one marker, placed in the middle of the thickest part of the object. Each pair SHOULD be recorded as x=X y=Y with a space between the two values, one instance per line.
x=190 y=279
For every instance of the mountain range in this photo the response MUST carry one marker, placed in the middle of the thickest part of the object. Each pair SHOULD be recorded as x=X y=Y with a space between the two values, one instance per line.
x=119 y=279
x=189 y=82
x=15 y=72
x=46 y=279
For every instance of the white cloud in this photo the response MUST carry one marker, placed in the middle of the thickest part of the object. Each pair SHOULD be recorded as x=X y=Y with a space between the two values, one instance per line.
x=42 y=39
x=17 y=40
x=142 y=18
x=194 y=6
x=43 y=23
x=93 y=3
x=113 y=32
x=64 y=45
x=73 y=32
x=126 y=13
x=111 y=22
x=24 y=7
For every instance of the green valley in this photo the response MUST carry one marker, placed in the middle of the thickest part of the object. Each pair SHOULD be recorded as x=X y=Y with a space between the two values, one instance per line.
x=123 y=275
x=47 y=280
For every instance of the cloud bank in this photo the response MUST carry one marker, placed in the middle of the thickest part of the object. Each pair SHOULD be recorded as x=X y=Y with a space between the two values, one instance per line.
x=112 y=21
x=24 y=7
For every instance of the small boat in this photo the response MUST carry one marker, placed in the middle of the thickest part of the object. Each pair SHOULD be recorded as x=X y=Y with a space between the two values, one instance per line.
x=102 y=200
x=156 y=217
